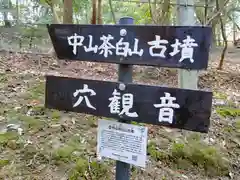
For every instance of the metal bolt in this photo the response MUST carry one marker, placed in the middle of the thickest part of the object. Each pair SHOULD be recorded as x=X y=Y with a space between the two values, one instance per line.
x=123 y=32
x=122 y=86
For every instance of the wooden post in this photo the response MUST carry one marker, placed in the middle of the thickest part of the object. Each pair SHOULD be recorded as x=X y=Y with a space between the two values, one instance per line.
x=185 y=17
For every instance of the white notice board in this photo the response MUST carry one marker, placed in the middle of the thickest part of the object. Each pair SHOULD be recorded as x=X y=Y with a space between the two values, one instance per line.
x=122 y=142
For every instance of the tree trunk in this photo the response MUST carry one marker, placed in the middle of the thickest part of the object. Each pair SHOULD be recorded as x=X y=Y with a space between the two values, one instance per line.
x=17 y=8
x=99 y=12
x=219 y=35
x=165 y=12
x=56 y=20
x=7 y=6
x=234 y=30
x=224 y=39
x=112 y=11
x=151 y=12
x=94 y=9
x=214 y=35
x=206 y=12
x=68 y=12
x=7 y=23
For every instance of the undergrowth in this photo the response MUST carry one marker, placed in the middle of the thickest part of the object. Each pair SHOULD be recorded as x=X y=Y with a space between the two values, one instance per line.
x=189 y=155
x=228 y=111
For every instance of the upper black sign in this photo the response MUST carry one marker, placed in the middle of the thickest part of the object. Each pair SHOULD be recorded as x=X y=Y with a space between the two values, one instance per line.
x=185 y=47
x=177 y=108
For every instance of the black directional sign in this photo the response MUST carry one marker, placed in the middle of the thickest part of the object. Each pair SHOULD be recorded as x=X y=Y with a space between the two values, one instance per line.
x=173 y=107
x=184 y=47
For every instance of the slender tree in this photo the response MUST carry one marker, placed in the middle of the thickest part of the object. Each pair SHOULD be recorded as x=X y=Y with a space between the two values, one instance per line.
x=68 y=12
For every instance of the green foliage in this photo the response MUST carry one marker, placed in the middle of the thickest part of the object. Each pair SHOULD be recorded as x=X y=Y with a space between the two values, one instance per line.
x=30 y=152
x=219 y=95
x=228 y=111
x=8 y=136
x=79 y=170
x=237 y=124
x=64 y=153
x=92 y=120
x=190 y=155
x=228 y=129
x=88 y=170
x=69 y=152
x=182 y=164
x=137 y=123
x=200 y=155
x=3 y=78
x=10 y=114
x=99 y=171
x=134 y=172
x=55 y=115
x=141 y=16
x=178 y=150
x=194 y=136
x=32 y=123
x=82 y=5
x=4 y=162
x=37 y=91
x=33 y=31
x=38 y=110
x=164 y=178
x=154 y=153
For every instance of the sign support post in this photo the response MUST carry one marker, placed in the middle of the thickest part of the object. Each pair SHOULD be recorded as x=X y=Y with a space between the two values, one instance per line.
x=127 y=44
x=125 y=76
x=187 y=79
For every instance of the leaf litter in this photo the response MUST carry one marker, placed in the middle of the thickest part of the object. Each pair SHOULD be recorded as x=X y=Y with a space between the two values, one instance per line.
x=58 y=145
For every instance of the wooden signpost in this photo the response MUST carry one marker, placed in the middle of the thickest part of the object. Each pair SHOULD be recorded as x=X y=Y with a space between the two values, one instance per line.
x=127 y=45
x=173 y=107
x=166 y=46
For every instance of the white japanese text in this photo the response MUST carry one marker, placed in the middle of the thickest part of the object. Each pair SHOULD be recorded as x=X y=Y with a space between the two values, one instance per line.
x=121 y=47
x=166 y=108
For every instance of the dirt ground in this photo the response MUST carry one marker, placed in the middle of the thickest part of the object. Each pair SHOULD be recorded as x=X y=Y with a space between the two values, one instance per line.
x=232 y=55
x=44 y=144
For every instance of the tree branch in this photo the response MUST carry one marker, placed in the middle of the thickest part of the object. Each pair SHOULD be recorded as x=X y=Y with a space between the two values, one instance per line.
x=219 y=11
x=231 y=19
x=224 y=39
x=151 y=13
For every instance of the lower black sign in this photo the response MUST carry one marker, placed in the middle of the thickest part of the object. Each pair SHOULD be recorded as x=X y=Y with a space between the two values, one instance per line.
x=172 y=107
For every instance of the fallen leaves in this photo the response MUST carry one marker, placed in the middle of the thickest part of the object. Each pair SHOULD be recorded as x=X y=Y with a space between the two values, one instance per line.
x=46 y=132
